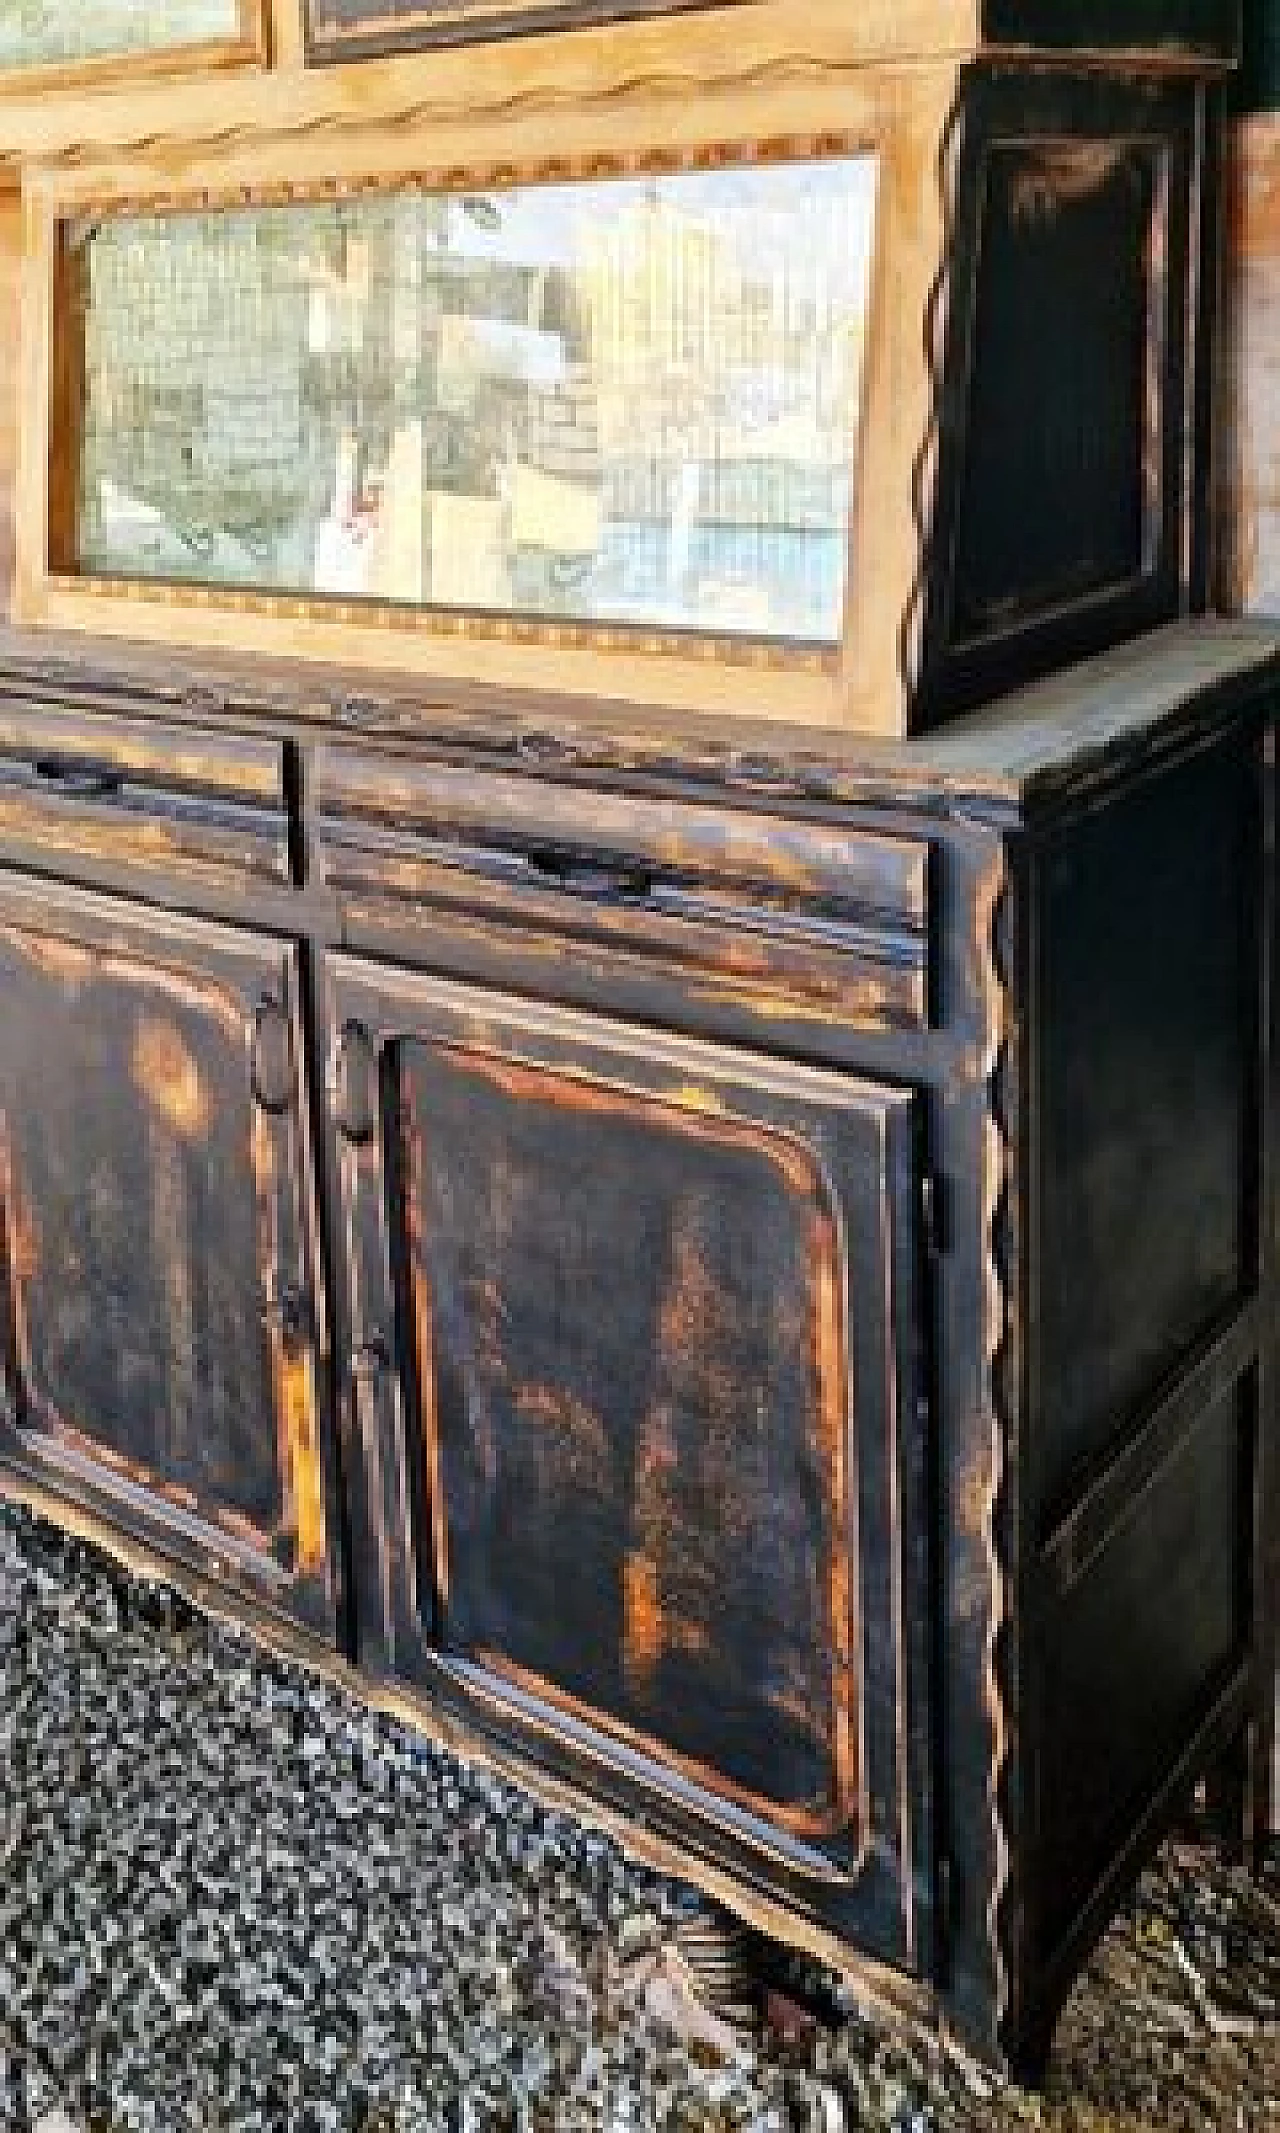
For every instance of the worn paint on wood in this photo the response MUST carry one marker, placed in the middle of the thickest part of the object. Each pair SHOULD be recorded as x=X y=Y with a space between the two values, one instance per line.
x=631 y=1310
x=1249 y=399
x=1076 y=204
x=131 y=1322
x=795 y=919
x=476 y=1215
x=162 y=1313
x=620 y=1487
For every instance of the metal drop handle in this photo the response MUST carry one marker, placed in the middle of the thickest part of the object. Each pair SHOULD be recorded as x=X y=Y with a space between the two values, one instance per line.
x=624 y=881
x=83 y=780
x=271 y=1074
x=353 y=1084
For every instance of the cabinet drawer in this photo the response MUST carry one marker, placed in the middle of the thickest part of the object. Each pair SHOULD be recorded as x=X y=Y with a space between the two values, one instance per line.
x=103 y=797
x=817 y=921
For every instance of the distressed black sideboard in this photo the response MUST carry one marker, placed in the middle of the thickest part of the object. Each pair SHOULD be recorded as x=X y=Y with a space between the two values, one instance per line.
x=743 y=1273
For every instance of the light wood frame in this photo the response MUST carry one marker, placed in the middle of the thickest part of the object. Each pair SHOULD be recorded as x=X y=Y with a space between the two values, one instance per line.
x=714 y=97
x=247 y=45
x=434 y=22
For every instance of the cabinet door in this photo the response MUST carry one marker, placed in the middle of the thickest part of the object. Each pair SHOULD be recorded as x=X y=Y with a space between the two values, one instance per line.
x=638 y=1444
x=163 y=1333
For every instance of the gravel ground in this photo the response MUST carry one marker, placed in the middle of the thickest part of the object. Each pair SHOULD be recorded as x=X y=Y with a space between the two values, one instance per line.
x=231 y=1898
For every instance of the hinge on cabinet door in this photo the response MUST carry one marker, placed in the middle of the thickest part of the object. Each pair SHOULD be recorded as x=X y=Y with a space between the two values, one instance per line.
x=933 y=1214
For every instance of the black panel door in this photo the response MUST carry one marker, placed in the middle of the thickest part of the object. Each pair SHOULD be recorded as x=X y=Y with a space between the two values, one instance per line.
x=639 y=1454
x=162 y=1353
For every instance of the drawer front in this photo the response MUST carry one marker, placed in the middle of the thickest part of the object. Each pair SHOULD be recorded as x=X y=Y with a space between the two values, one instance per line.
x=787 y=914
x=638 y=1446
x=103 y=796
x=162 y=1341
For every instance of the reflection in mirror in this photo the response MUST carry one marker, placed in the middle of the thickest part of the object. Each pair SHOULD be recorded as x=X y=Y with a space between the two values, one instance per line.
x=35 y=33
x=630 y=400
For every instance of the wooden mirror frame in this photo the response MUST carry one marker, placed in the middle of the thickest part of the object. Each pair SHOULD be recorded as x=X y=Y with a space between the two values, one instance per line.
x=490 y=124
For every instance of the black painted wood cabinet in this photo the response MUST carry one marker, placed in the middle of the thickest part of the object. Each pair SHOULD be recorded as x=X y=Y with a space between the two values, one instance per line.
x=739 y=1265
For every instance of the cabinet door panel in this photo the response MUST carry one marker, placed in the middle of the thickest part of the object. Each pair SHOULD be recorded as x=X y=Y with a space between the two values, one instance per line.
x=639 y=1456
x=164 y=1331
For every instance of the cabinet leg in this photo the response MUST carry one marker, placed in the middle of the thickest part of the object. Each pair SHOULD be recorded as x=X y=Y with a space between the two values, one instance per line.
x=1263 y=1799
x=1227 y=1794
x=1027 y=2063
x=1240 y=1793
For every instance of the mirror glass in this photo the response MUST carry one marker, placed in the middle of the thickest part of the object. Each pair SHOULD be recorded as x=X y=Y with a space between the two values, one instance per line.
x=620 y=401
x=35 y=33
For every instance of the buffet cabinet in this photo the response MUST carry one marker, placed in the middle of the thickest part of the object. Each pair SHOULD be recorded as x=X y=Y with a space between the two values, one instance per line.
x=636 y=915
x=743 y=1278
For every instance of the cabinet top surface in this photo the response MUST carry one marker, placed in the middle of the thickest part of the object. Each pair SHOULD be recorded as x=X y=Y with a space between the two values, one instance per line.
x=1023 y=756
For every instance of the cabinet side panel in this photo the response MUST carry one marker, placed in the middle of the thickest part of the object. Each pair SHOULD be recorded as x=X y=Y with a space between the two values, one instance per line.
x=1136 y=1651
x=1148 y=1105
x=1065 y=493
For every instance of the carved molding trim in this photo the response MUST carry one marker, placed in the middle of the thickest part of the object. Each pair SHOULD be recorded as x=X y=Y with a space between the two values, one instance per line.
x=476 y=173
x=924 y=469
x=761 y=655
x=412 y=109
x=1001 y=1349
